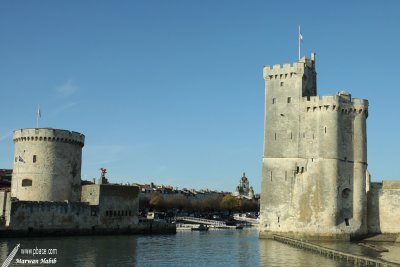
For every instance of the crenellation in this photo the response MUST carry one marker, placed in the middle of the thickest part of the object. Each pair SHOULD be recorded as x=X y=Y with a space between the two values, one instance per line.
x=43 y=134
x=284 y=71
x=335 y=102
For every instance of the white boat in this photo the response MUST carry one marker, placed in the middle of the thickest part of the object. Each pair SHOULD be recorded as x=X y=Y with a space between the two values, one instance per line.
x=191 y=227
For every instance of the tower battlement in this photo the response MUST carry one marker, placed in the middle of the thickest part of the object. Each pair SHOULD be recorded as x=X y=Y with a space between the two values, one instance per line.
x=48 y=134
x=340 y=102
x=279 y=71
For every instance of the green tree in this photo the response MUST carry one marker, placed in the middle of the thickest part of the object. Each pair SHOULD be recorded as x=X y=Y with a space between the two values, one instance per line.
x=229 y=203
x=157 y=202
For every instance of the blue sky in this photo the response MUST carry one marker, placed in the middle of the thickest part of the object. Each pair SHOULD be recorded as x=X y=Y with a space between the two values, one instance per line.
x=172 y=91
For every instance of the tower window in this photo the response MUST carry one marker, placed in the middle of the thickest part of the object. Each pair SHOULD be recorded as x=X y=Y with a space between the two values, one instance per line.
x=273 y=100
x=289 y=99
x=275 y=136
x=325 y=129
x=26 y=182
x=34 y=158
x=281 y=83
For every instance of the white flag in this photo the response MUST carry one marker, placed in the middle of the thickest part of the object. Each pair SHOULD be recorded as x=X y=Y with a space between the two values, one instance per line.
x=39 y=113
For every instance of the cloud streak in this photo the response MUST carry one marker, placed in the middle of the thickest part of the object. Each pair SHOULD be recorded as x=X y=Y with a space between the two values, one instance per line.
x=5 y=136
x=67 y=89
x=104 y=154
x=59 y=110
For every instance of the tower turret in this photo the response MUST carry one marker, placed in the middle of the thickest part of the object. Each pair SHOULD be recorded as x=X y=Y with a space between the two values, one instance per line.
x=47 y=164
x=285 y=86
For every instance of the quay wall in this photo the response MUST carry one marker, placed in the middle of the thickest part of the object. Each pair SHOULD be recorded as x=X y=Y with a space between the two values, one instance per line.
x=140 y=228
x=118 y=205
x=383 y=208
x=34 y=215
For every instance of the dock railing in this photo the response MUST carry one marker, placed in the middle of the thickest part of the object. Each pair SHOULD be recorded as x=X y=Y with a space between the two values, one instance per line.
x=332 y=253
x=201 y=220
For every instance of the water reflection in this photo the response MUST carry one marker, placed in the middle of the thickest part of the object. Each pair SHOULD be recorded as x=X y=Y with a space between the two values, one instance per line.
x=273 y=253
x=213 y=248
x=86 y=251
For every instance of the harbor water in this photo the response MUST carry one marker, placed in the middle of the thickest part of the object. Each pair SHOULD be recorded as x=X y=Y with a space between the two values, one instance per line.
x=187 y=248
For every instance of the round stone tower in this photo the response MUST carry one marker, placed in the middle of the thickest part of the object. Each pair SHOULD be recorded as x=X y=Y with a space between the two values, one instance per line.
x=47 y=164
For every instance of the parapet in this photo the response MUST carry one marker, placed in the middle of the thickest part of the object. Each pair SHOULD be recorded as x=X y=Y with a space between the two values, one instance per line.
x=376 y=186
x=342 y=101
x=48 y=134
x=279 y=71
x=391 y=184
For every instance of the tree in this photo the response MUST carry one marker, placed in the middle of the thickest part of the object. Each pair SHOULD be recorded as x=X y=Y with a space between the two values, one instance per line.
x=229 y=203
x=247 y=205
x=156 y=201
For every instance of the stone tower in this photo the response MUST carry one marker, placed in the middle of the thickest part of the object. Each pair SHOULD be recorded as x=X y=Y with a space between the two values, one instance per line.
x=47 y=165
x=315 y=157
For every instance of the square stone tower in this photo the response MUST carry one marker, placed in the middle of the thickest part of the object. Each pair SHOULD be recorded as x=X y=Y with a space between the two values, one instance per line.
x=314 y=162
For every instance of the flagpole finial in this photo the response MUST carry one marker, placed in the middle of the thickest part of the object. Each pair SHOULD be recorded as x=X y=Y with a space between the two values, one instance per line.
x=300 y=37
x=38 y=116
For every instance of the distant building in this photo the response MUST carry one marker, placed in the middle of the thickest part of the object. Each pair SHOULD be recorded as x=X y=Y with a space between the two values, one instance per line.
x=167 y=192
x=5 y=178
x=244 y=190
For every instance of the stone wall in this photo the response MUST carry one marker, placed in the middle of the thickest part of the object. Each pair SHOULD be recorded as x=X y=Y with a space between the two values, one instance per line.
x=102 y=207
x=91 y=194
x=3 y=195
x=118 y=204
x=384 y=208
x=32 y=215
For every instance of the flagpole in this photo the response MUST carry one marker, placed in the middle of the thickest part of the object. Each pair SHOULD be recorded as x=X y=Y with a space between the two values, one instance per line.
x=299 y=41
x=37 y=117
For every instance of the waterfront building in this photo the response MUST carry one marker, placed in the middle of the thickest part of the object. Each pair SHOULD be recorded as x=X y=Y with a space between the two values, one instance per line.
x=168 y=192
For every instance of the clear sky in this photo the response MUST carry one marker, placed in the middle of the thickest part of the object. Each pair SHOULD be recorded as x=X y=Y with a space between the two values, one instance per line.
x=172 y=91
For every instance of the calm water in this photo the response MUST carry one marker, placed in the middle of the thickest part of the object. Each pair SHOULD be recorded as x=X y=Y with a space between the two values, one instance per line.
x=212 y=248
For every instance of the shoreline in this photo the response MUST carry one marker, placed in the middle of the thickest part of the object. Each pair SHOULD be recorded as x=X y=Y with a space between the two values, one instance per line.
x=147 y=227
